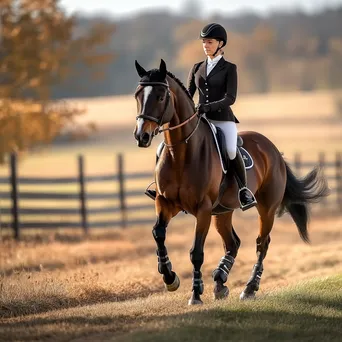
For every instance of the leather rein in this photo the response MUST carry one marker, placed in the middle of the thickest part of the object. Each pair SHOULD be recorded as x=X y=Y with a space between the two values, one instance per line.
x=159 y=121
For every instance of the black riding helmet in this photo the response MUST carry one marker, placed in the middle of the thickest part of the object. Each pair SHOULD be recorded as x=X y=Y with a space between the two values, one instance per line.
x=215 y=31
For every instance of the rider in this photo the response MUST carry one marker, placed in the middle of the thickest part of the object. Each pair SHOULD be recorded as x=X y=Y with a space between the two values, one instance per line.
x=216 y=81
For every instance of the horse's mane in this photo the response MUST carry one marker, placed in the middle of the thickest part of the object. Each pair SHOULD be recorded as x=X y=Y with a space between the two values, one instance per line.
x=154 y=75
x=180 y=83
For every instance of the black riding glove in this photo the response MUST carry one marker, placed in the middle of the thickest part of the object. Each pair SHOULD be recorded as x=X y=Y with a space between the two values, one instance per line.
x=203 y=108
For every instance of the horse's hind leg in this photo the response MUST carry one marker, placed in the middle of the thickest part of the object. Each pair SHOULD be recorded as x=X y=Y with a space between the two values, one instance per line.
x=165 y=211
x=231 y=244
x=266 y=220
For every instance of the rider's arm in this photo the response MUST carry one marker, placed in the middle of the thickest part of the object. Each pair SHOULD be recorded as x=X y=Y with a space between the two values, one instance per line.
x=191 y=81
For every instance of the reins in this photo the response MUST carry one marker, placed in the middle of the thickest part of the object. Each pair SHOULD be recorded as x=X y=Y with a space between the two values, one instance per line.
x=177 y=126
x=182 y=124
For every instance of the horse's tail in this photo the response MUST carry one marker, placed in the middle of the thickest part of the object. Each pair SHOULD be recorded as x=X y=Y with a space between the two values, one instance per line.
x=299 y=193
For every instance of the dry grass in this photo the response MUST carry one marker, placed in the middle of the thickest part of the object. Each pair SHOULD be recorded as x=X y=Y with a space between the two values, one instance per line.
x=60 y=285
x=65 y=286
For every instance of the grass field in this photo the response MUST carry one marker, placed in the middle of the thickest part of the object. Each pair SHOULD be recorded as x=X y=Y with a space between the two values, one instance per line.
x=62 y=286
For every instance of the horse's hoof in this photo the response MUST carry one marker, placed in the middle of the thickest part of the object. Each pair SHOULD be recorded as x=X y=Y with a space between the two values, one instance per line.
x=174 y=286
x=222 y=293
x=247 y=296
x=193 y=301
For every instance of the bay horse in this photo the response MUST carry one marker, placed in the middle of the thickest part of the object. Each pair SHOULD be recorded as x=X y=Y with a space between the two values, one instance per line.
x=188 y=177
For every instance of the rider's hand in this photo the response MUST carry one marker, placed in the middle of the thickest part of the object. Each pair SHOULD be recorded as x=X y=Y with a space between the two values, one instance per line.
x=203 y=108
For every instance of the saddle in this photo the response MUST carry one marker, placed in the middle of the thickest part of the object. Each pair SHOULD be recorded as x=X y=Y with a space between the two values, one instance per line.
x=224 y=155
x=220 y=142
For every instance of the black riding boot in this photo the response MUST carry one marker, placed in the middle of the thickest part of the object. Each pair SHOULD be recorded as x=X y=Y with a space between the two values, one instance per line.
x=246 y=197
x=152 y=193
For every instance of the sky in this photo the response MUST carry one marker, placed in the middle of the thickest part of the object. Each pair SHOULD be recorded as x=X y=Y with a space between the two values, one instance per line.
x=121 y=8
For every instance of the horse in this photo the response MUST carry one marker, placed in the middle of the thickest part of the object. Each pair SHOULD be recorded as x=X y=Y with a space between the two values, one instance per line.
x=189 y=178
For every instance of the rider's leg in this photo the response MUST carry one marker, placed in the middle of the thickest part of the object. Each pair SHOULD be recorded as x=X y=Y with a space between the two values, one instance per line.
x=152 y=193
x=246 y=197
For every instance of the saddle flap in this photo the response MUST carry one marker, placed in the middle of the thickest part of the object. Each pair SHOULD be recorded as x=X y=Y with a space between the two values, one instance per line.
x=247 y=158
x=220 y=142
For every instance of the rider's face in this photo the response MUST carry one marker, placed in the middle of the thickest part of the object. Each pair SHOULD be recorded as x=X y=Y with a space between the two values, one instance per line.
x=210 y=46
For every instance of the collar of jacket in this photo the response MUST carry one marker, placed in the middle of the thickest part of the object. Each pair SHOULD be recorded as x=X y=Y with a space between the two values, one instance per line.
x=203 y=68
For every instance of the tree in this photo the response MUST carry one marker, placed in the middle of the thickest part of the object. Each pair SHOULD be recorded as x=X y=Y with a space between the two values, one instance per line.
x=39 y=49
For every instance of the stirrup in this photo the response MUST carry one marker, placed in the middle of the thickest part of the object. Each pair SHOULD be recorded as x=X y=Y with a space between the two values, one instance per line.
x=151 y=193
x=250 y=204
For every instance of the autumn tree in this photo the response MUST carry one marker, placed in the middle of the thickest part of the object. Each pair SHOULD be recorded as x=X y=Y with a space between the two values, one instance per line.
x=39 y=49
x=188 y=40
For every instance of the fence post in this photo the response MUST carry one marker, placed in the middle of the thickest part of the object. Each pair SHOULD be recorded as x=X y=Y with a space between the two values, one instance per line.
x=14 y=196
x=122 y=195
x=321 y=162
x=83 y=207
x=338 y=172
x=297 y=162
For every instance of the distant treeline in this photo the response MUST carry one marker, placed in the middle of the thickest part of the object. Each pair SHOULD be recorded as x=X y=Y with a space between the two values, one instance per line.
x=41 y=48
x=281 y=52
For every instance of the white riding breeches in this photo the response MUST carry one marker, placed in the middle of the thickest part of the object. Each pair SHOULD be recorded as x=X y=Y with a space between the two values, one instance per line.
x=230 y=132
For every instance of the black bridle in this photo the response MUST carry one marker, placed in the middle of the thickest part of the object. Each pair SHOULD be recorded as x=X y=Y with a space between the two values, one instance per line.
x=151 y=118
x=159 y=121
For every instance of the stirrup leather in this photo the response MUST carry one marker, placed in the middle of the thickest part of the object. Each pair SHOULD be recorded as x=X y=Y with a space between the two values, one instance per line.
x=148 y=188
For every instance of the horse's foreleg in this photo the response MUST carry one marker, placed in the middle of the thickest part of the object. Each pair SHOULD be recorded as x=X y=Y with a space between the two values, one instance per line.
x=262 y=243
x=164 y=211
x=231 y=244
x=203 y=219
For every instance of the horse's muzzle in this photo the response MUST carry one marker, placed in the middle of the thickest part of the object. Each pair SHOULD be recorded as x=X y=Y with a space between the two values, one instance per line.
x=144 y=139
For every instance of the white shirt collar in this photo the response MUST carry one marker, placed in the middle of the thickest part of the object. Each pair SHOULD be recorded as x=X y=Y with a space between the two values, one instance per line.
x=214 y=60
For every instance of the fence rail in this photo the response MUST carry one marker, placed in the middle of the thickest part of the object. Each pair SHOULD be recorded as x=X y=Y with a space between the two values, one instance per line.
x=20 y=216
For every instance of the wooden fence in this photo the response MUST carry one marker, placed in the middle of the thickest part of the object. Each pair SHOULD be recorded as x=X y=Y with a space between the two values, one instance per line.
x=15 y=215
x=18 y=216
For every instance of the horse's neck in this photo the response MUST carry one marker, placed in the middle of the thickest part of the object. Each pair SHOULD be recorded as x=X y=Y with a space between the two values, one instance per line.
x=183 y=111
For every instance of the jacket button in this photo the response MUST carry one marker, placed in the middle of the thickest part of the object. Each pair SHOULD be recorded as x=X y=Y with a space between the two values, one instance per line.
x=206 y=83
x=219 y=110
x=207 y=101
x=207 y=89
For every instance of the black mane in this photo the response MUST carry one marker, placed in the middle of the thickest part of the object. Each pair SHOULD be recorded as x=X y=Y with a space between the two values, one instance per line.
x=154 y=75
x=180 y=83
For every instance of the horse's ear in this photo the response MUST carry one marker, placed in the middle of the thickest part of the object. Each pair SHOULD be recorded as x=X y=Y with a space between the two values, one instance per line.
x=162 y=68
x=141 y=71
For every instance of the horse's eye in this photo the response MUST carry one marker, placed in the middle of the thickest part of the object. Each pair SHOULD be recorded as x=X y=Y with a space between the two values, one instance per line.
x=160 y=98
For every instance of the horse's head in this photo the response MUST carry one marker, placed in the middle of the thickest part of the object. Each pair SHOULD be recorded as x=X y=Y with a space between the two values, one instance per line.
x=154 y=103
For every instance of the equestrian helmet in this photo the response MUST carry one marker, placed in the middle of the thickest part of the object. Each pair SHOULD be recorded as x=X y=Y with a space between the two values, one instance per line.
x=215 y=31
